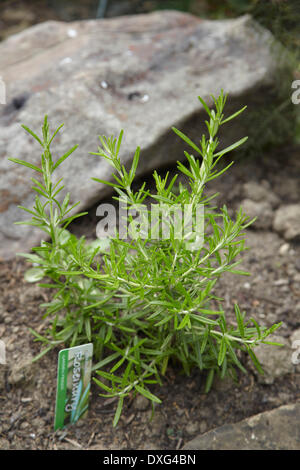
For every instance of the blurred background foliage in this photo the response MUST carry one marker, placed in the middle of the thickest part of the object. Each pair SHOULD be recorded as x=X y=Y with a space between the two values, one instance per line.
x=281 y=120
x=282 y=17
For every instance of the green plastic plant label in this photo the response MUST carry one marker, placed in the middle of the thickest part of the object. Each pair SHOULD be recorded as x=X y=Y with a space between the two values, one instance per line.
x=73 y=384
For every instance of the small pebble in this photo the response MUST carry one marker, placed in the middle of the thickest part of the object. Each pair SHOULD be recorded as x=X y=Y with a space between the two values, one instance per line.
x=10 y=347
x=24 y=425
x=26 y=399
x=281 y=282
x=296 y=277
x=192 y=428
x=284 y=249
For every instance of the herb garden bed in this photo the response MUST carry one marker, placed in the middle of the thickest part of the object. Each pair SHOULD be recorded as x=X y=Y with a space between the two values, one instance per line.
x=271 y=295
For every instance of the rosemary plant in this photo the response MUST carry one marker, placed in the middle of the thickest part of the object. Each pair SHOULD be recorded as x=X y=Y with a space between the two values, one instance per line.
x=144 y=302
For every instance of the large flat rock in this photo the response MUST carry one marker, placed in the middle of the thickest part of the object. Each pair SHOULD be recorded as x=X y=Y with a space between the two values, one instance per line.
x=277 y=429
x=138 y=73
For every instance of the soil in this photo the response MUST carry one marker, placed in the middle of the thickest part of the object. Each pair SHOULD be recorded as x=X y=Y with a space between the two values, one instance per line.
x=271 y=294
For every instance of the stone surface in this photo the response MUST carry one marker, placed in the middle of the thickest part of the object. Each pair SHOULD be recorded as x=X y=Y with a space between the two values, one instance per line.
x=259 y=192
x=287 y=221
x=22 y=372
x=262 y=210
x=276 y=361
x=277 y=429
x=138 y=73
